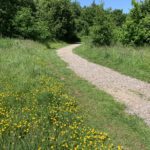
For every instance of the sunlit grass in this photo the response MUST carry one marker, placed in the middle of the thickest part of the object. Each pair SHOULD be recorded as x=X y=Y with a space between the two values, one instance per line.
x=130 y=61
x=36 y=112
x=101 y=110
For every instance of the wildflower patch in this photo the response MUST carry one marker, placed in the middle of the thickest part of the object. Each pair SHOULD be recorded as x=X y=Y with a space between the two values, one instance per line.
x=46 y=117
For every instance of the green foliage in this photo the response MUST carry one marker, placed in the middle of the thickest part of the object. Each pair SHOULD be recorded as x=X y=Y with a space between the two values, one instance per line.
x=39 y=20
x=40 y=30
x=66 y=19
x=145 y=7
x=101 y=31
x=118 y=17
x=101 y=34
x=87 y=18
x=117 y=34
x=8 y=9
x=60 y=18
x=77 y=11
x=145 y=25
x=30 y=25
x=23 y=22
x=136 y=30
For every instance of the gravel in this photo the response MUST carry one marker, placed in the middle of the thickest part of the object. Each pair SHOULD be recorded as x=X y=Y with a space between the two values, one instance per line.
x=135 y=94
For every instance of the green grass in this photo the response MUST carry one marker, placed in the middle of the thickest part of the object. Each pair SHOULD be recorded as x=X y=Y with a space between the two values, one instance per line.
x=23 y=62
x=36 y=111
x=101 y=111
x=134 y=62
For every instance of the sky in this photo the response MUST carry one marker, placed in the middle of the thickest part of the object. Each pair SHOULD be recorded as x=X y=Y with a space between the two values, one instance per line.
x=114 y=4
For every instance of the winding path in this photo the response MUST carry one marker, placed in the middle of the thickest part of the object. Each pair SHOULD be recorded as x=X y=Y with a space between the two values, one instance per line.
x=135 y=94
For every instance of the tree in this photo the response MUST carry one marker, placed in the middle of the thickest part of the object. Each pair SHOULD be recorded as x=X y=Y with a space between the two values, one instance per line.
x=136 y=29
x=23 y=23
x=88 y=16
x=118 y=17
x=8 y=10
x=102 y=30
x=60 y=19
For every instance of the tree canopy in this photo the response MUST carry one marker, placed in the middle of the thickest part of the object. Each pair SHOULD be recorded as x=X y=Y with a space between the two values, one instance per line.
x=67 y=20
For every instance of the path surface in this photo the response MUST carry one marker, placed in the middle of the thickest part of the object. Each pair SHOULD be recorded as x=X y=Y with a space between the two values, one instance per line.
x=134 y=93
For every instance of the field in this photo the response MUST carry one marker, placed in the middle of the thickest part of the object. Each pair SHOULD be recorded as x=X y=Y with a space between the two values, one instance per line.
x=74 y=75
x=127 y=60
x=37 y=111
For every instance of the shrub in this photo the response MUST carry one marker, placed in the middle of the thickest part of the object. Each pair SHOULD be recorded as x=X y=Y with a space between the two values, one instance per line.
x=101 y=35
x=29 y=25
x=102 y=30
x=117 y=33
x=136 y=34
x=23 y=22
x=40 y=30
x=8 y=10
x=145 y=29
x=136 y=30
x=61 y=21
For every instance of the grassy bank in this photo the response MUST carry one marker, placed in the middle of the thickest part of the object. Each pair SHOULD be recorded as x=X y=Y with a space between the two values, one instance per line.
x=35 y=88
x=134 y=62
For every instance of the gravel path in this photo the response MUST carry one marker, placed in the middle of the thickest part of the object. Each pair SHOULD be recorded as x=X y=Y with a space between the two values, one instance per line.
x=134 y=93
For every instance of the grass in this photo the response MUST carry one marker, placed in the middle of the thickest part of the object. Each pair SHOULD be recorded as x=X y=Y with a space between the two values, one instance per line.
x=36 y=111
x=102 y=112
x=22 y=63
x=134 y=62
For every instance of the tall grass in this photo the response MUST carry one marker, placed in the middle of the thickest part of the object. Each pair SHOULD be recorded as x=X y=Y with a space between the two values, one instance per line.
x=130 y=61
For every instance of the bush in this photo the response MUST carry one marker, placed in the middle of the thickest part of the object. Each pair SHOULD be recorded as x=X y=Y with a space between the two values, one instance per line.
x=29 y=25
x=101 y=35
x=117 y=34
x=136 y=30
x=102 y=30
x=38 y=20
x=145 y=29
x=8 y=9
x=61 y=20
x=136 y=34
x=23 y=22
x=40 y=30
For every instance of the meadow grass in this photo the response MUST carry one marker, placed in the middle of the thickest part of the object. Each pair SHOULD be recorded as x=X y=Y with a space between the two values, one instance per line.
x=134 y=62
x=35 y=88
x=35 y=110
